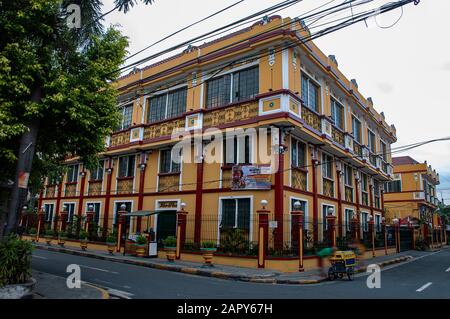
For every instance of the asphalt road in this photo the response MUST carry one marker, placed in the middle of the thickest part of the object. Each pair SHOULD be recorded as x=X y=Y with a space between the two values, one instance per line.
x=427 y=276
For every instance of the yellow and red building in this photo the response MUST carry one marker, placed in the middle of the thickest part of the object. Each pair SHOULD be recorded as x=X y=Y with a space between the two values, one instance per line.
x=332 y=147
x=411 y=195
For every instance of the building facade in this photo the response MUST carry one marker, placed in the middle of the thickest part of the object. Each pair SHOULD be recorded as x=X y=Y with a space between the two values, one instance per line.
x=412 y=192
x=331 y=148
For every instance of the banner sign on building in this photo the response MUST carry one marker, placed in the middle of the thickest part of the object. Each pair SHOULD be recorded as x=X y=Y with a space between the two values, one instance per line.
x=251 y=177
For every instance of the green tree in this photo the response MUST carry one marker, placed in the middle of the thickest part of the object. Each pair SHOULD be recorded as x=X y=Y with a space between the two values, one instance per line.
x=56 y=97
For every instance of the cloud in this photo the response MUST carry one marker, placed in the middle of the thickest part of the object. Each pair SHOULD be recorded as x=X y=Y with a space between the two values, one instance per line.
x=446 y=66
x=385 y=87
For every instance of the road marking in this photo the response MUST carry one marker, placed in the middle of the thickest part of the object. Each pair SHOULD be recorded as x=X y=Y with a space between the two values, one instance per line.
x=119 y=293
x=448 y=269
x=424 y=287
x=40 y=257
x=99 y=269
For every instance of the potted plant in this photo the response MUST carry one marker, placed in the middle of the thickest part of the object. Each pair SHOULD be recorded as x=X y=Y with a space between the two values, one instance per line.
x=83 y=239
x=170 y=246
x=111 y=243
x=49 y=234
x=15 y=268
x=62 y=238
x=208 y=248
x=32 y=232
x=141 y=242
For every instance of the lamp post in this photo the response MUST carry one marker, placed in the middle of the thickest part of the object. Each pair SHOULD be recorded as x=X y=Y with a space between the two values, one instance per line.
x=413 y=233
x=397 y=234
x=63 y=218
x=331 y=219
x=383 y=224
x=40 y=221
x=121 y=219
x=89 y=217
x=372 y=235
x=297 y=219
x=263 y=233
x=181 y=229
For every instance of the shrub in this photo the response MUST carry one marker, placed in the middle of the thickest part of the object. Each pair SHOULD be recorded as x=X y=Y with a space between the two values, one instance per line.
x=234 y=241
x=111 y=239
x=63 y=234
x=208 y=244
x=141 y=240
x=49 y=233
x=170 y=241
x=82 y=235
x=32 y=231
x=15 y=256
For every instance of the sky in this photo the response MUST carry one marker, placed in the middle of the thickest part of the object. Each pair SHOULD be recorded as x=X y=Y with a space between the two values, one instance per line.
x=403 y=66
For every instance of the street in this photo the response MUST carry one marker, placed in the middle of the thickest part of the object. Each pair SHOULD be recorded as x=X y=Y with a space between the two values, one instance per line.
x=426 y=276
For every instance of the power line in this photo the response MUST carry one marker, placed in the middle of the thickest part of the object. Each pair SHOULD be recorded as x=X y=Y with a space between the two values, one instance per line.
x=184 y=28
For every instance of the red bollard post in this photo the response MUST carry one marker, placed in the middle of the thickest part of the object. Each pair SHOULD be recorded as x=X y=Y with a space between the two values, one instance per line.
x=263 y=234
x=181 y=230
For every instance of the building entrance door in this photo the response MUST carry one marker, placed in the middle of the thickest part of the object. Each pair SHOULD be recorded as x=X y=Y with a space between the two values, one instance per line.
x=166 y=225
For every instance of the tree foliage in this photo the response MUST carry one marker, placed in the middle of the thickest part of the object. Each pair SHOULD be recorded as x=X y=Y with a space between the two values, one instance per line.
x=78 y=106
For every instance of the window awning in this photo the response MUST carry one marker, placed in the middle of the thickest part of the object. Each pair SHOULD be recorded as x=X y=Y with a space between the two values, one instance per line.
x=140 y=213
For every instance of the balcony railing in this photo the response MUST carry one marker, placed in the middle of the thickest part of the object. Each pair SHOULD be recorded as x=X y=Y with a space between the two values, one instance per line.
x=169 y=182
x=50 y=191
x=338 y=136
x=349 y=194
x=357 y=149
x=71 y=189
x=311 y=118
x=125 y=185
x=328 y=187
x=95 y=188
x=299 y=178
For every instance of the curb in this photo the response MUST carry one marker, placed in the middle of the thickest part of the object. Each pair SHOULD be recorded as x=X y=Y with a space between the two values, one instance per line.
x=266 y=279
x=105 y=294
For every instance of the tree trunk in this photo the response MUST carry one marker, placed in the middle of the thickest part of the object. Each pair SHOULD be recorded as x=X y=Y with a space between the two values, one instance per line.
x=24 y=163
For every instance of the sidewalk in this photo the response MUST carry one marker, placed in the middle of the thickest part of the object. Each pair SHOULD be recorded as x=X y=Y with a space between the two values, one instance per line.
x=54 y=287
x=227 y=272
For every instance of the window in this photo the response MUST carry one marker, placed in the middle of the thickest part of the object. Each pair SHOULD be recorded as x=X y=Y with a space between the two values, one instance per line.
x=348 y=180
x=166 y=106
x=327 y=166
x=97 y=173
x=364 y=221
x=348 y=217
x=166 y=164
x=371 y=141
x=237 y=150
x=245 y=84
x=235 y=213
x=48 y=212
x=72 y=173
x=364 y=182
x=96 y=206
x=233 y=87
x=356 y=129
x=117 y=208
x=127 y=116
x=310 y=93
x=378 y=223
x=298 y=154
x=70 y=207
x=384 y=151
x=337 y=113
x=325 y=211
x=365 y=194
x=303 y=208
x=126 y=166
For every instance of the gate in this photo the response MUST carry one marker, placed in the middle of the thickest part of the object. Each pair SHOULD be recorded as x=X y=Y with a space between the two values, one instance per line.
x=406 y=239
x=166 y=225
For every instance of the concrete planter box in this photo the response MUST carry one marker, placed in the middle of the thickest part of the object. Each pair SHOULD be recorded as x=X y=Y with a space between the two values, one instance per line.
x=18 y=291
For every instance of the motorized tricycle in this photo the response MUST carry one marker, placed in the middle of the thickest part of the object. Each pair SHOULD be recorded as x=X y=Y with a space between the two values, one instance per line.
x=342 y=263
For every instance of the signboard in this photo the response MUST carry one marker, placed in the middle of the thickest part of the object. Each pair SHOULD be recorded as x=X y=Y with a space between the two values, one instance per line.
x=251 y=177
x=273 y=224
x=168 y=204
